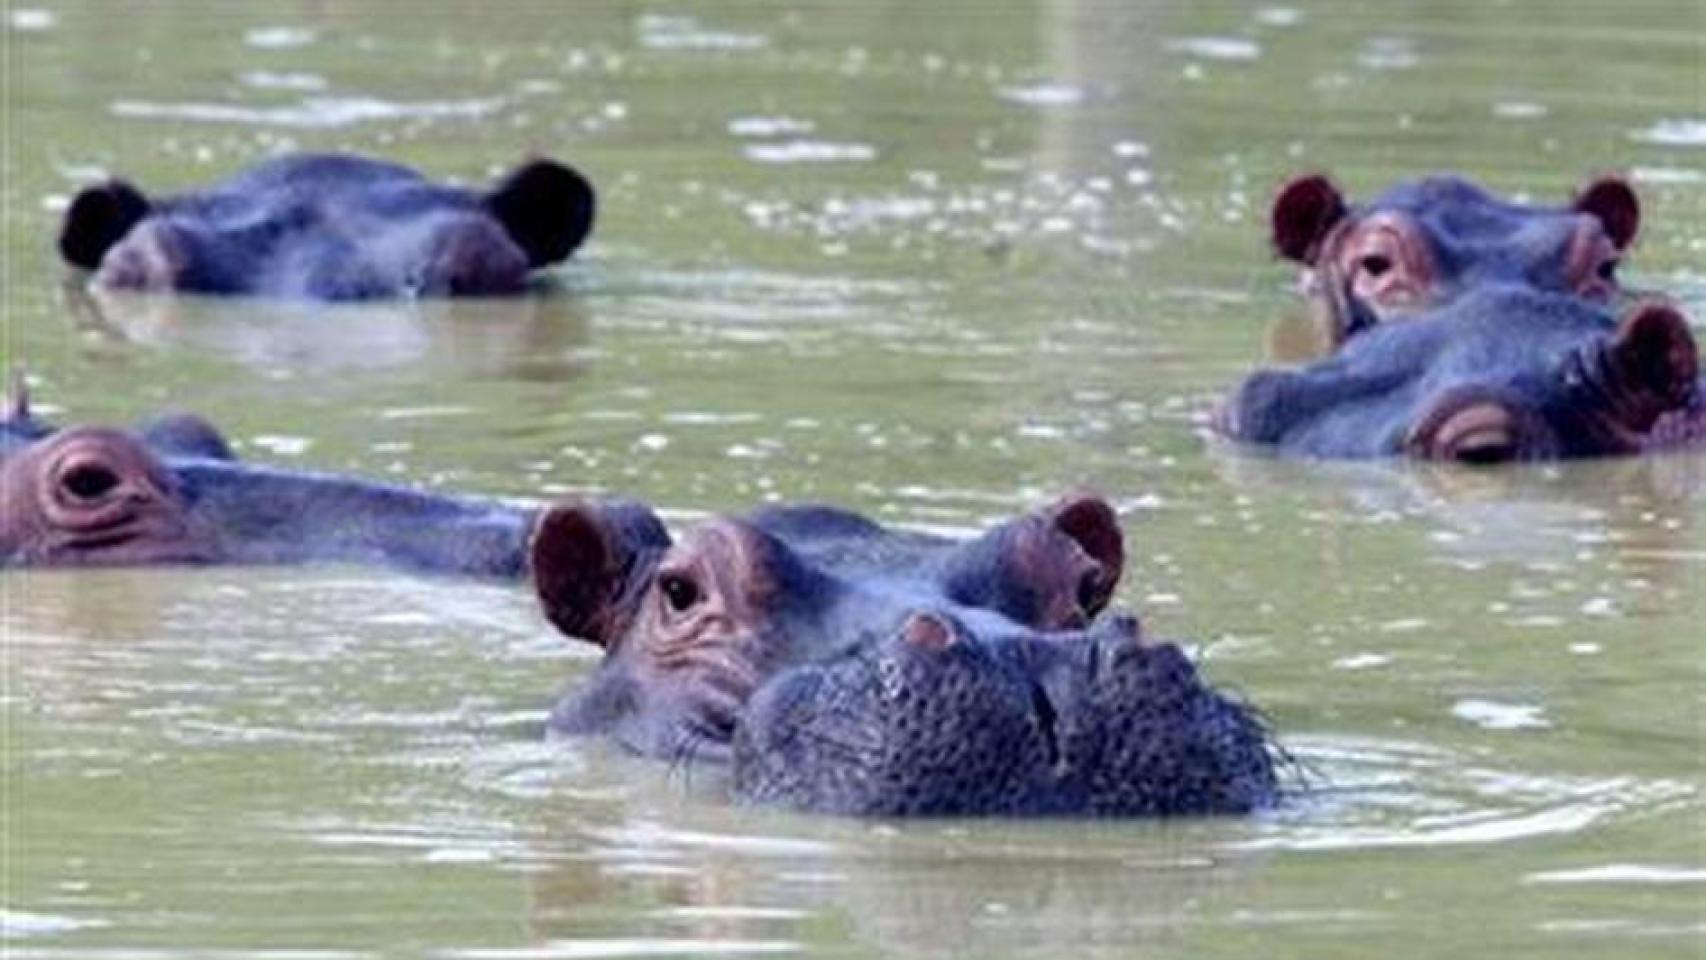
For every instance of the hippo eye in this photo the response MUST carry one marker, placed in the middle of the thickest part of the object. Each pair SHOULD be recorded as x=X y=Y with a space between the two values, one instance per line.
x=89 y=481
x=679 y=591
x=1608 y=270
x=1375 y=264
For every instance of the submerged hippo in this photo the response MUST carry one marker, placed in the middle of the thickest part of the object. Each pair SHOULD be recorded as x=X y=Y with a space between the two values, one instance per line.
x=1423 y=243
x=844 y=667
x=331 y=227
x=1503 y=373
x=170 y=491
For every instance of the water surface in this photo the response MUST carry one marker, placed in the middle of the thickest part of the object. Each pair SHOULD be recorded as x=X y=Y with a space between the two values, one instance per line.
x=935 y=262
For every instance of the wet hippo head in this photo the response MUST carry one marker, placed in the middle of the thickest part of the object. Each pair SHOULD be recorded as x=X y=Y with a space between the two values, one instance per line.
x=331 y=227
x=691 y=628
x=1502 y=374
x=930 y=721
x=170 y=491
x=755 y=610
x=1423 y=243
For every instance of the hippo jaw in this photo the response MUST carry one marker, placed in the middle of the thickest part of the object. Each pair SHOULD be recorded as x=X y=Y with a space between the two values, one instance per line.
x=932 y=721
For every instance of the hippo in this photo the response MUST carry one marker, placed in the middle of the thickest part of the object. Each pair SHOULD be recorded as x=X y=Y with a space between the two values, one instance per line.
x=170 y=491
x=331 y=227
x=1503 y=373
x=1423 y=243
x=838 y=666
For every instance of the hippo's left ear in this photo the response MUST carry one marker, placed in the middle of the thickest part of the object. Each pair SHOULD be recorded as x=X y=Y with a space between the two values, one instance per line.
x=587 y=559
x=1304 y=211
x=1613 y=202
x=99 y=217
x=546 y=207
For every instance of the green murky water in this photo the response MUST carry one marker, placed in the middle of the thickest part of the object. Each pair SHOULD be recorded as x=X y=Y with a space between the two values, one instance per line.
x=934 y=261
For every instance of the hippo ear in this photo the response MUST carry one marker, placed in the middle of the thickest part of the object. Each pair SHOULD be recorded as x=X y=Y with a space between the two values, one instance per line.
x=1091 y=522
x=17 y=398
x=1306 y=208
x=99 y=217
x=547 y=208
x=1654 y=352
x=585 y=558
x=1612 y=200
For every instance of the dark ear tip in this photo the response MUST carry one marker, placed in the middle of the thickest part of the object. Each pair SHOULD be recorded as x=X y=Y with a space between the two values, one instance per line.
x=548 y=206
x=1658 y=341
x=1612 y=199
x=99 y=216
x=567 y=556
x=1091 y=520
x=1304 y=209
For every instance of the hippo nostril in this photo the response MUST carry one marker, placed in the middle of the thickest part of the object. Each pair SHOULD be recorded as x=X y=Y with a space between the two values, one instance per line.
x=1047 y=722
x=927 y=631
x=89 y=481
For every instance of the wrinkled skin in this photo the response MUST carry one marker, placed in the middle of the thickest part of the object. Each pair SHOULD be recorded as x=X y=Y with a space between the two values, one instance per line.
x=695 y=630
x=933 y=722
x=331 y=227
x=1501 y=374
x=170 y=491
x=1422 y=244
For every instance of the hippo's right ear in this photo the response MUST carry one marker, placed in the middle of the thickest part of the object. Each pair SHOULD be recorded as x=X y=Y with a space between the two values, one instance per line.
x=99 y=217
x=1655 y=354
x=1091 y=523
x=588 y=561
x=546 y=207
x=1306 y=208
x=1612 y=201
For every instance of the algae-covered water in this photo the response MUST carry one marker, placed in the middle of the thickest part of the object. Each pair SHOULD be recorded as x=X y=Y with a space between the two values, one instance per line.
x=937 y=262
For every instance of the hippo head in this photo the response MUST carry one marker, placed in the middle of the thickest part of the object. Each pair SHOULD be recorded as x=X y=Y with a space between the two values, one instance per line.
x=171 y=491
x=691 y=628
x=331 y=227
x=717 y=645
x=1423 y=243
x=1502 y=374
x=928 y=721
x=97 y=496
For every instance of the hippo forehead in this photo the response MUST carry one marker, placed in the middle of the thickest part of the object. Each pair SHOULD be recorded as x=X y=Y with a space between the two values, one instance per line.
x=1469 y=227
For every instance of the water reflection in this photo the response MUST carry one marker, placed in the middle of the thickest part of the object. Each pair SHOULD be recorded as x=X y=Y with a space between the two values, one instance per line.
x=1641 y=510
x=540 y=336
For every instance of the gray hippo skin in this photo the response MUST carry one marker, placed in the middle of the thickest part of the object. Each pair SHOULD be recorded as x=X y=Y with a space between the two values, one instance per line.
x=1501 y=374
x=170 y=492
x=846 y=668
x=331 y=227
x=1421 y=244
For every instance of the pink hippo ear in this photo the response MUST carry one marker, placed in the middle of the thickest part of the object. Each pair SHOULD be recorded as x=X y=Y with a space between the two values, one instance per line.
x=1091 y=522
x=1655 y=353
x=1612 y=201
x=585 y=558
x=1306 y=208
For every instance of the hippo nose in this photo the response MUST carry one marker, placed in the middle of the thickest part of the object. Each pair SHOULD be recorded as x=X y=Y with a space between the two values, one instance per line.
x=1476 y=429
